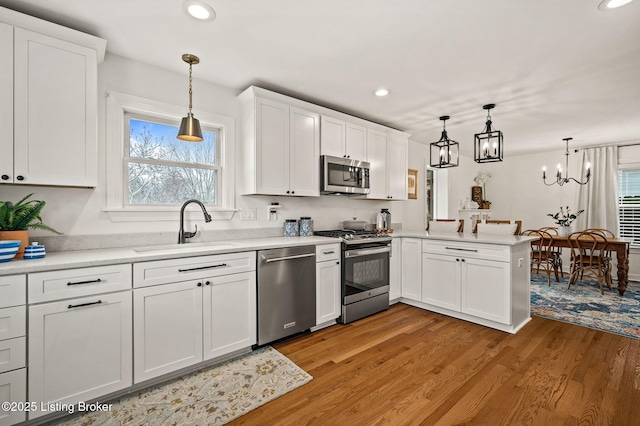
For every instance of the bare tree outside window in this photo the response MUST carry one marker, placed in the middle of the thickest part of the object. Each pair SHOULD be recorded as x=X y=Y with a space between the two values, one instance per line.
x=163 y=170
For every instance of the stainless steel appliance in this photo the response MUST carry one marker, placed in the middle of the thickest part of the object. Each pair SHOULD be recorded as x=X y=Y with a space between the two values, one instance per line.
x=343 y=176
x=286 y=292
x=365 y=272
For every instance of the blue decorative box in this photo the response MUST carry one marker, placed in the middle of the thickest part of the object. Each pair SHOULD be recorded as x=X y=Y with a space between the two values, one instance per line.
x=34 y=251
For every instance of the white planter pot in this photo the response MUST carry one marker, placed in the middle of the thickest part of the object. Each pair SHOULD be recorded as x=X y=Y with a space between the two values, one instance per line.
x=564 y=231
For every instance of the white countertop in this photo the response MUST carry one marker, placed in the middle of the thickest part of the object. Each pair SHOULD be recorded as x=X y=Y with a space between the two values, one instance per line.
x=510 y=240
x=99 y=257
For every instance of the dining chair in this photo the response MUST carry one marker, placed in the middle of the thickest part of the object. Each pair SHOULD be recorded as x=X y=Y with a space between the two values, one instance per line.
x=446 y=225
x=557 y=251
x=495 y=226
x=607 y=253
x=588 y=256
x=542 y=254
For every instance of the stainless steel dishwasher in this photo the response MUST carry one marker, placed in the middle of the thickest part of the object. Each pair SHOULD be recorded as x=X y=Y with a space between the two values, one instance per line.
x=286 y=292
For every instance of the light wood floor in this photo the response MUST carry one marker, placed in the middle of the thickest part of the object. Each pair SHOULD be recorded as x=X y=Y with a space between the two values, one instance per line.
x=407 y=366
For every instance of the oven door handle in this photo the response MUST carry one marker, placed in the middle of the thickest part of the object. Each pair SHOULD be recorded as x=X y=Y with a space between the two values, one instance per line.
x=366 y=252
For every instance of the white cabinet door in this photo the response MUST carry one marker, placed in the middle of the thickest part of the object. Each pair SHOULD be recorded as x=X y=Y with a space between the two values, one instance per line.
x=6 y=103
x=304 y=166
x=395 y=269
x=441 y=280
x=55 y=106
x=397 y=168
x=79 y=349
x=167 y=328
x=13 y=388
x=328 y=276
x=377 y=157
x=356 y=142
x=332 y=137
x=486 y=290
x=229 y=314
x=412 y=268
x=272 y=147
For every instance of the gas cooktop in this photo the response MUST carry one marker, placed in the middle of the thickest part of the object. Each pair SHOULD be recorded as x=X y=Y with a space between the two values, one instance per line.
x=351 y=236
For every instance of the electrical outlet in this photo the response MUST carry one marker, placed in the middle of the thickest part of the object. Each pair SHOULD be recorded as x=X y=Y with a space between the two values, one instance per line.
x=249 y=214
x=520 y=262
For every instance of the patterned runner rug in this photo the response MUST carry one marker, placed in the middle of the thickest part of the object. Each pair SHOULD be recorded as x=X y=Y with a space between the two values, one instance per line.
x=584 y=305
x=213 y=396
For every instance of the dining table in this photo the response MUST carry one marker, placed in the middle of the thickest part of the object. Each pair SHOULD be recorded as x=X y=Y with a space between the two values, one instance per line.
x=618 y=245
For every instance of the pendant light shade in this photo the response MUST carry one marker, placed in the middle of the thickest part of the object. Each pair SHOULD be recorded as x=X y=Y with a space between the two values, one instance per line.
x=190 y=126
x=444 y=153
x=488 y=145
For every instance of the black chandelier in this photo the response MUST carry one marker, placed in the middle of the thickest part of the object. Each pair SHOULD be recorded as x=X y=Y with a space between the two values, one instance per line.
x=444 y=153
x=560 y=180
x=488 y=144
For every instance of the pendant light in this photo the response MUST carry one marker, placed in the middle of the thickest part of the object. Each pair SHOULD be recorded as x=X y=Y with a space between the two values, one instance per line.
x=487 y=147
x=560 y=180
x=190 y=126
x=444 y=153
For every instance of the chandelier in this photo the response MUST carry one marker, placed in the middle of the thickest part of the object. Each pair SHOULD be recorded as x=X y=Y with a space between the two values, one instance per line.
x=560 y=180
x=444 y=153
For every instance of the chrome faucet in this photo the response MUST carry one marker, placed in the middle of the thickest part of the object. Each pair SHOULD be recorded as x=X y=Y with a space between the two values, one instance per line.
x=186 y=234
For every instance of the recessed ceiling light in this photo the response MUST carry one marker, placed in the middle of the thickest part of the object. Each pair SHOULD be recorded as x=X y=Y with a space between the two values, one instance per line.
x=612 y=4
x=381 y=92
x=199 y=10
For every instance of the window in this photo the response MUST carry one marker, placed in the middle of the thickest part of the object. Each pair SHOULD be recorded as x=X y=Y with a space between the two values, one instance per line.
x=629 y=204
x=163 y=170
x=150 y=173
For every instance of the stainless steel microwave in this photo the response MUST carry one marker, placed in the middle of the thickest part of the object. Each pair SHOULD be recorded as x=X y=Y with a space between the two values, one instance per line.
x=343 y=176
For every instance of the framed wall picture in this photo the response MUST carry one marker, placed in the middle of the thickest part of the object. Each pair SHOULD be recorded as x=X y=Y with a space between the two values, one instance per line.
x=412 y=185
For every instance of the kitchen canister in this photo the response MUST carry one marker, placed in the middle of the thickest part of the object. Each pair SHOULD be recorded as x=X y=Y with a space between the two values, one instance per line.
x=305 y=225
x=290 y=228
x=34 y=251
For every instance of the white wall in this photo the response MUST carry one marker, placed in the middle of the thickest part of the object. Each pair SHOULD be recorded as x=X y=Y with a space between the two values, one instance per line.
x=79 y=211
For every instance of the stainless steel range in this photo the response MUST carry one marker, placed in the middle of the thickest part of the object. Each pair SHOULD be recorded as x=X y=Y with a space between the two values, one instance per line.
x=365 y=272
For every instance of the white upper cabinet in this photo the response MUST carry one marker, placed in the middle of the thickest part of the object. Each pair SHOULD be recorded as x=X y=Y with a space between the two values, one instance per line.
x=281 y=151
x=343 y=139
x=388 y=159
x=48 y=91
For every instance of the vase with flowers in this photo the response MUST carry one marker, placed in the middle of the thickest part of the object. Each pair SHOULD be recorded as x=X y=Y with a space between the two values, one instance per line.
x=564 y=218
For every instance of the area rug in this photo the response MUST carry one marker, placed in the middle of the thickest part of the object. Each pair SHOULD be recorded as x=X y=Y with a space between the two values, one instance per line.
x=583 y=305
x=214 y=396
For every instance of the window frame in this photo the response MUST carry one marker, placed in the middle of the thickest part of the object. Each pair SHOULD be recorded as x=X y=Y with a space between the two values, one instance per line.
x=621 y=168
x=118 y=106
x=126 y=158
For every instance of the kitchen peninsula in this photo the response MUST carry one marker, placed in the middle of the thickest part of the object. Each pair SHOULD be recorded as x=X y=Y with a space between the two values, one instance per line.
x=479 y=278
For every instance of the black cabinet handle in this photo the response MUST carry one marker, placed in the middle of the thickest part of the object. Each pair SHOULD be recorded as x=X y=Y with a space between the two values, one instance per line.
x=84 y=304
x=20 y=177
x=5 y=177
x=202 y=267
x=208 y=283
x=199 y=284
x=85 y=282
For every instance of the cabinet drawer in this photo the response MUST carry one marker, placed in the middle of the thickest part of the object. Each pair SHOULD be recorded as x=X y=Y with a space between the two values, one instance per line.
x=13 y=322
x=13 y=388
x=56 y=285
x=479 y=251
x=327 y=252
x=13 y=354
x=13 y=290
x=168 y=271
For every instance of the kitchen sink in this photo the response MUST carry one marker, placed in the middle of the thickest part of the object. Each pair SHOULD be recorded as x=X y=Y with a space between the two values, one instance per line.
x=187 y=247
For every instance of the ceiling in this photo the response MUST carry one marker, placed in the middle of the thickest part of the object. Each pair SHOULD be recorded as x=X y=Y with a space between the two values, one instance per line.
x=554 y=69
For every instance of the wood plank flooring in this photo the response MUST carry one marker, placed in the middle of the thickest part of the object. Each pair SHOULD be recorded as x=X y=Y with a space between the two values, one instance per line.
x=407 y=366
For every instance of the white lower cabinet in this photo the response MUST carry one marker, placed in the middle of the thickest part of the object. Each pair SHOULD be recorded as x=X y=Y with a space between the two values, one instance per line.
x=13 y=347
x=328 y=281
x=79 y=349
x=395 y=270
x=412 y=268
x=484 y=283
x=179 y=324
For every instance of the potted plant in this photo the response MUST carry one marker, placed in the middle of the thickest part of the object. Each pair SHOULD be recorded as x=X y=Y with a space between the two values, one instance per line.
x=564 y=218
x=16 y=220
x=485 y=204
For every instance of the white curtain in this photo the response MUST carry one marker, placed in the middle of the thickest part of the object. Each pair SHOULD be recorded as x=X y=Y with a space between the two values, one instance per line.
x=599 y=198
